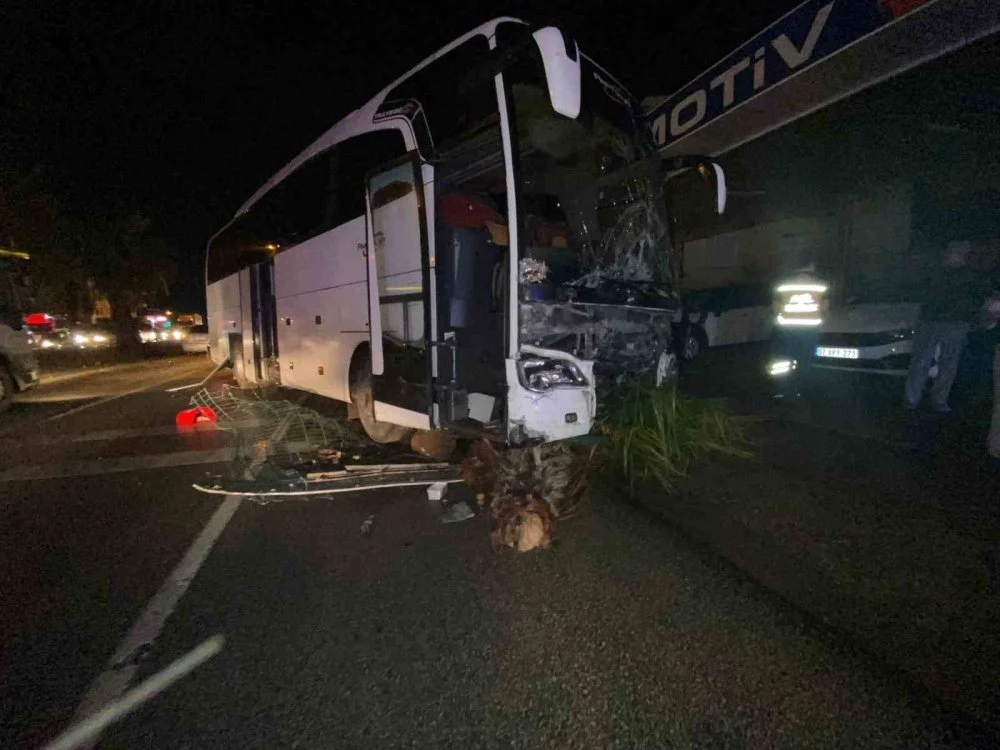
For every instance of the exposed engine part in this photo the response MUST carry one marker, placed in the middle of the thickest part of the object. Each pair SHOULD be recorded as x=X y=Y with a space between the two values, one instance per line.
x=621 y=340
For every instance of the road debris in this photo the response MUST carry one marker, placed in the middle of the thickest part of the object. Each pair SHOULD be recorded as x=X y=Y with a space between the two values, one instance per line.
x=437 y=491
x=435 y=444
x=272 y=483
x=528 y=489
x=284 y=450
x=196 y=415
x=448 y=510
x=524 y=523
x=367 y=526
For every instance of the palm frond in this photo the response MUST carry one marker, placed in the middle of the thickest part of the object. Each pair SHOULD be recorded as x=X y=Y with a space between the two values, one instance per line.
x=655 y=433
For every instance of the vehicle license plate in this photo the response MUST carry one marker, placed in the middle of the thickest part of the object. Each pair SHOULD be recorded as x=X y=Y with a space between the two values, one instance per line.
x=836 y=353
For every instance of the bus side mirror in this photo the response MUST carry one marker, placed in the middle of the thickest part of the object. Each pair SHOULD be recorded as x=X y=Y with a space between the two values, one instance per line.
x=709 y=170
x=561 y=60
x=719 y=178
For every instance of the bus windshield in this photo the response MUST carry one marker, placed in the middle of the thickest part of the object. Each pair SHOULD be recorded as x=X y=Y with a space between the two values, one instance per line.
x=593 y=208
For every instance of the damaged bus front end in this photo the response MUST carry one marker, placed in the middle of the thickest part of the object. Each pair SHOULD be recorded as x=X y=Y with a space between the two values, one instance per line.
x=594 y=299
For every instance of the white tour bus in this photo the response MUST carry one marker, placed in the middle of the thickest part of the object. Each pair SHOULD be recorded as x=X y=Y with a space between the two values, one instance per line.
x=468 y=250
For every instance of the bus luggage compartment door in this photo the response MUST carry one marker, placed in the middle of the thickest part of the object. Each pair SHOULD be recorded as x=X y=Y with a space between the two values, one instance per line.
x=399 y=294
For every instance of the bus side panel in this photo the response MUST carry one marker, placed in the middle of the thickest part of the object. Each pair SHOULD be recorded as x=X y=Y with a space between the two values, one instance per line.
x=224 y=315
x=322 y=308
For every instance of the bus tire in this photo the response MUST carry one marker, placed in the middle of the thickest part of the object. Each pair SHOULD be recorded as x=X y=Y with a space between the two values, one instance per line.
x=693 y=342
x=363 y=398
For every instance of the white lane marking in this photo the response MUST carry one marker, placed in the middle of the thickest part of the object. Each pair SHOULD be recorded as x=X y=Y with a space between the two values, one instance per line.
x=86 y=733
x=137 y=369
x=122 y=666
x=62 y=377
x=115 y=397
x=96 y=467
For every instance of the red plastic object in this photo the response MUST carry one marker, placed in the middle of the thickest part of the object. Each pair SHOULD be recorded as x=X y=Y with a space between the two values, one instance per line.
x=196 y=415
x=470 y=211
x=900 y=8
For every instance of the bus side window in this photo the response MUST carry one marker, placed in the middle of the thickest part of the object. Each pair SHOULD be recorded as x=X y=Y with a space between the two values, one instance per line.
x=445 y=109
x=296 y=208
x=323 y=193
x=351 y=162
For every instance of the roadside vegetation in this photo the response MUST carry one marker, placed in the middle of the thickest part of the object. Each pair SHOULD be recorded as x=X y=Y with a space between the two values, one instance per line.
x=657 y=433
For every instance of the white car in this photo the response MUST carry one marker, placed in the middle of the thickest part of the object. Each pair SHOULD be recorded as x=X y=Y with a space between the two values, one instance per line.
x=18 y=364
x=874 y=338
x=195 y=339
x=738 y=314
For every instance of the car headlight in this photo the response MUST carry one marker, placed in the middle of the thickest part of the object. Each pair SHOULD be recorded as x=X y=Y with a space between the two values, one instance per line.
x=778 y=367
x=539 y=374
x=79 y=338
x=46 y=344
x=100 y=338
x=178 y=335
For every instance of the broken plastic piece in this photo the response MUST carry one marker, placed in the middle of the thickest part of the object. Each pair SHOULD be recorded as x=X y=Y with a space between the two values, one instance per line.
x=437 y=491
x=196 y=415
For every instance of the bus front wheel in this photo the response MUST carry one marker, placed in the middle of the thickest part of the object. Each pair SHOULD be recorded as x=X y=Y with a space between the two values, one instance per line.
x=363 y=398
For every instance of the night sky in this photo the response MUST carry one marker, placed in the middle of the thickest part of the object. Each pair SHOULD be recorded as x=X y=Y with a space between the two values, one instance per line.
x=184 y=109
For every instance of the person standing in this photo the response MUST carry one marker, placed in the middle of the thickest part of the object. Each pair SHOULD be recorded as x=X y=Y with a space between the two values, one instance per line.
x=952 y=299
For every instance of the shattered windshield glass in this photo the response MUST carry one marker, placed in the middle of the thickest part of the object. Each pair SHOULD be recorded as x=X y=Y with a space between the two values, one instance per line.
x=586 y=187
x=595 y=256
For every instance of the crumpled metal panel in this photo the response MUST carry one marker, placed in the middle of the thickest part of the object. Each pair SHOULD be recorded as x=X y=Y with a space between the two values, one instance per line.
x=620 y=339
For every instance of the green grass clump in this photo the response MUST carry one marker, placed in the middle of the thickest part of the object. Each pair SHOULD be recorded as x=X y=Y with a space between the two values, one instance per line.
x=656 y=433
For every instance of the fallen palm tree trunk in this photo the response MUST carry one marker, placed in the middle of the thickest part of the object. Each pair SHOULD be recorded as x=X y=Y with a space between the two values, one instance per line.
x=527 y=489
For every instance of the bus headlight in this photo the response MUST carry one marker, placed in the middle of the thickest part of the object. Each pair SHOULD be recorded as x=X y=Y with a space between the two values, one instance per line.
x=538 y=374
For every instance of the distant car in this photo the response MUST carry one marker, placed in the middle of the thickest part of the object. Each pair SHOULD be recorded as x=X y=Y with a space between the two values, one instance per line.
x=92 y=337
x=161 y=334
x=49 y=340
x=735 y=314
x=46 y=331
x=872 y=337
x=195 y=340
x=173 y=335
x=18 y=364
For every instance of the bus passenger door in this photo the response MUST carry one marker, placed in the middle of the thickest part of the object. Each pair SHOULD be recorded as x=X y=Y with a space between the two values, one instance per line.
x=264 y=322
x=399 y=292
x=242 y=353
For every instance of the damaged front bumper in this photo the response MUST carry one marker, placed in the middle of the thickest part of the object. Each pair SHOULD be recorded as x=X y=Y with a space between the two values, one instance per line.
x=556 y=413
x=619 y=339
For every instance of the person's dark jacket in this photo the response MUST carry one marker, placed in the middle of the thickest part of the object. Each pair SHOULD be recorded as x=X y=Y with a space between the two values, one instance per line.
x=954 y=295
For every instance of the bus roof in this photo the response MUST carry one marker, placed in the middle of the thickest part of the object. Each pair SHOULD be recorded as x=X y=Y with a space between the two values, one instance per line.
x=360 y=120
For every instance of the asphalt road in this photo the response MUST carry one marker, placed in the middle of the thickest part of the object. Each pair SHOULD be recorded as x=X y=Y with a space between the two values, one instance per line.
x=624 y=634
